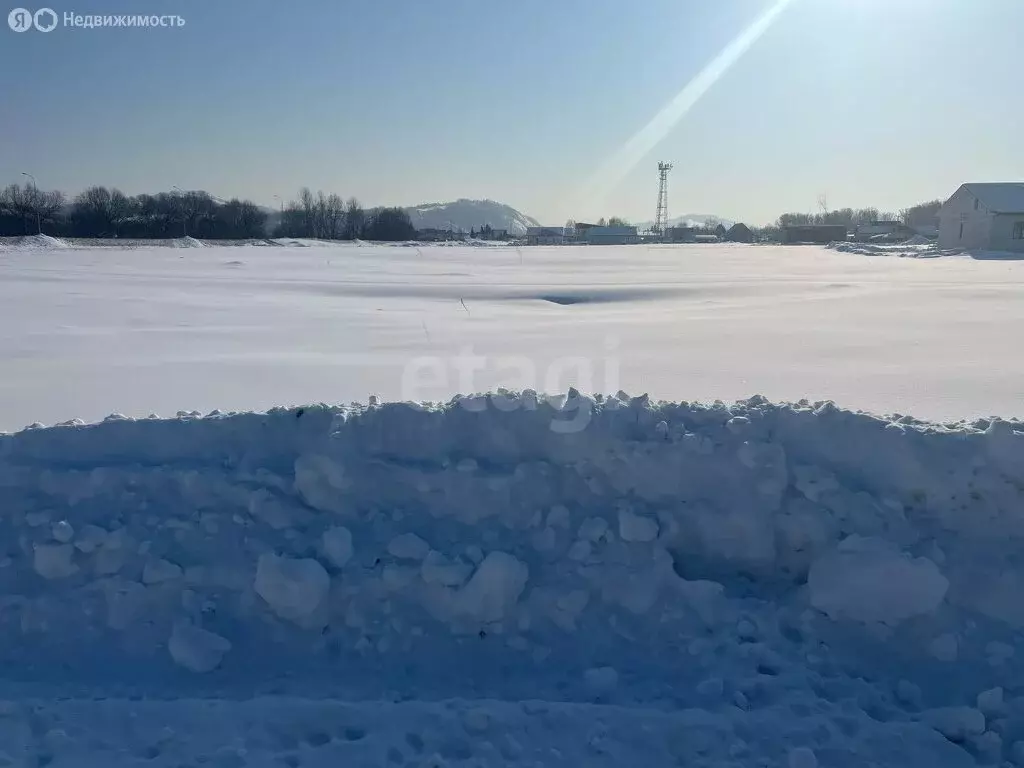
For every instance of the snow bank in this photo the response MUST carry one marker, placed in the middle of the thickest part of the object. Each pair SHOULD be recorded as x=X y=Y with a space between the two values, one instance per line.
x=187 y=242
x=752 y=562
x=915 y=248
x=38 y=242
x=308 y=242
x=919 y=247
x=918 y=240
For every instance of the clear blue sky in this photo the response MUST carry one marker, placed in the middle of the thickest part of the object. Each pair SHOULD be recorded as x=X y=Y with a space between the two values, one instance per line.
x=881 y=102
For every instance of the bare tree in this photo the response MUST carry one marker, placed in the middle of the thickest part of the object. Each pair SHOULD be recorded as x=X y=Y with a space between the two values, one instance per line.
x=923 y=215
x=101 y=211
x=355 y=219
x=192 y=208
x=31 y=204
x=49 y=204
x=120 y=208
x=308 y=205
x=335 y=216
x=17 y=203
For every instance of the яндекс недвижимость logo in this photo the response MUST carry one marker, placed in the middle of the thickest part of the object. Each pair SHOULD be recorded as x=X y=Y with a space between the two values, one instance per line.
x=22 y=20
x=46 y=20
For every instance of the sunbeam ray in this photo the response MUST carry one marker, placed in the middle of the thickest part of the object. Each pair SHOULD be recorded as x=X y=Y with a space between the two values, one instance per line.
x=615 y=168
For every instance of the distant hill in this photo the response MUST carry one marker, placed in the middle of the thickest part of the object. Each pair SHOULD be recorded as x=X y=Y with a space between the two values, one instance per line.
x=467 y=215
x=691 y=220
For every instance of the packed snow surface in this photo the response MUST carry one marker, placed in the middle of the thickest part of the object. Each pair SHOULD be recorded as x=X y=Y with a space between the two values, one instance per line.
x=474 y=585
x=87 y=332
x=510 y=579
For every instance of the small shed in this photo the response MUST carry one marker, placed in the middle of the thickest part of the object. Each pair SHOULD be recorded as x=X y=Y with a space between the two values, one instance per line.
x=820 y=234
x=739 y=233
x=612 y=236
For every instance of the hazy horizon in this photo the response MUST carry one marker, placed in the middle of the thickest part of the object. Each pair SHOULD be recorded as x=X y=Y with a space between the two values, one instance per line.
x=866 y=102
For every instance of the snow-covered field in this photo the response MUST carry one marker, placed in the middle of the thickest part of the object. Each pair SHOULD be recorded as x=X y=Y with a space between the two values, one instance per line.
x=509 y=580
x=92 y=331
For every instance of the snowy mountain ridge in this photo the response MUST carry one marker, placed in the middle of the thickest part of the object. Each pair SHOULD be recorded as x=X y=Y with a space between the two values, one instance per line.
x=464 y=214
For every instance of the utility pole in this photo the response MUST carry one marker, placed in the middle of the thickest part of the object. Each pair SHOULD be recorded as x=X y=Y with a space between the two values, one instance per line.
x=35 y=195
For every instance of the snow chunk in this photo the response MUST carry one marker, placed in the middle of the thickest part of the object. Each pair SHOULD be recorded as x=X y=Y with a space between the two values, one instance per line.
x=738 y=424
x=814 y=482
x=989 y=747
x=159 y=570
x=437 y=569
x=408 y=546
x=111 y=556
x=196 y=649
x=293 y=588
x=908 y=693
x=321 y=482
x=579 y=551
x=90 y=538
x=544 y=540
x=945 y=647
x=870 y=580
x=990 y=702
x=36 y=519
x=802 y=757
x=713 y=688
x=633 y=527
x=955 y=723
x=592 y=529
x=735 y=536
x=558 y=517
x=1017 y=752
x=63 y=532
x=998 y=652
x=494 y=588
x=54 y=561
x=476 y=719
x=601 y=680
x=337 y=543
x=264 y=506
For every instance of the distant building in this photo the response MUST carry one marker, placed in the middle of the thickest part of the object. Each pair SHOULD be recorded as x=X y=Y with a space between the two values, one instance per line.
x=432 y=235
x=611 y=236
x=681 y=235
x=984 y=217
x=739 y=233
x=821 y=234
x=893 y=231
x=581 y=230
x=487 y=232
x=545 y=236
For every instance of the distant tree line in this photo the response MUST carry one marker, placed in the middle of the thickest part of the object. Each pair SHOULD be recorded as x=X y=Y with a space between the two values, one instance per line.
x=110 y=213
x=103 y=212
x=328 y=217
x=916 y=216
